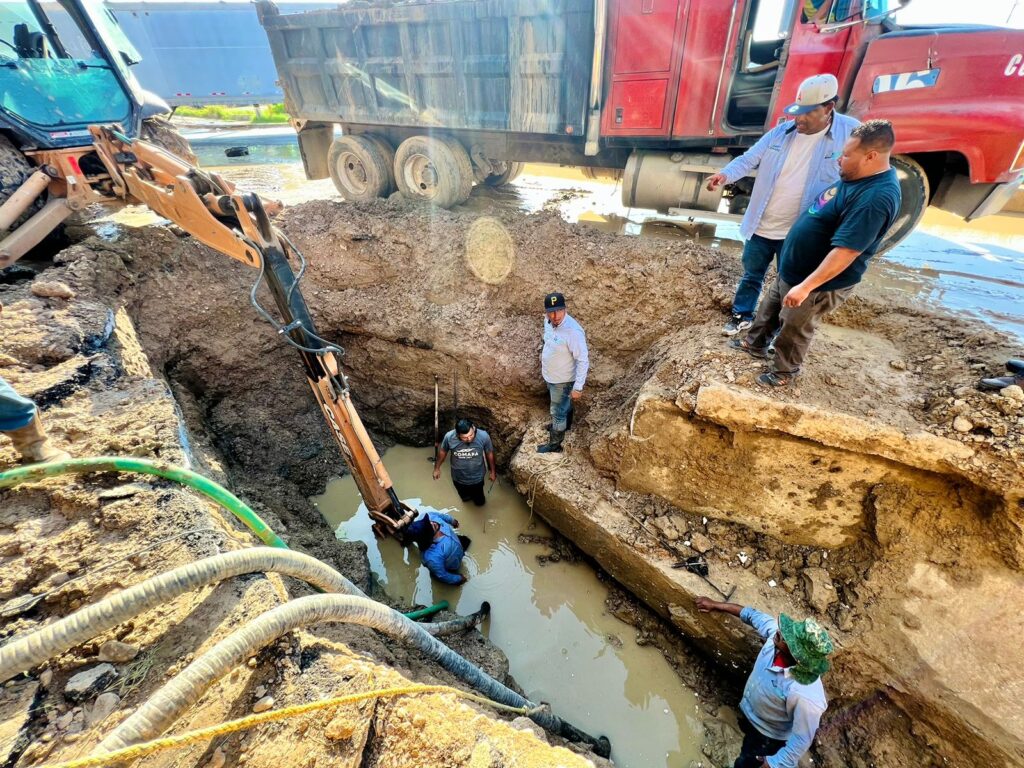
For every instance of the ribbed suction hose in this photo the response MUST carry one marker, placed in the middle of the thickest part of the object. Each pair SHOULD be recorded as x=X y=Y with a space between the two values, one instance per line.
x=167 y=704
x=25 y=652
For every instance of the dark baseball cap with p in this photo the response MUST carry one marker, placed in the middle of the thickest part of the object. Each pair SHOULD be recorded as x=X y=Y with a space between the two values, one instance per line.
x=554 y=301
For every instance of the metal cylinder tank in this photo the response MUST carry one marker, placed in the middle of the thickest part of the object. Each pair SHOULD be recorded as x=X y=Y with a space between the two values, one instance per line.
x=664 y=180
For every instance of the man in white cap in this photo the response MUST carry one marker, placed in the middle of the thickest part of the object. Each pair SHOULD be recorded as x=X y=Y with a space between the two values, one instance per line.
x=795 y=162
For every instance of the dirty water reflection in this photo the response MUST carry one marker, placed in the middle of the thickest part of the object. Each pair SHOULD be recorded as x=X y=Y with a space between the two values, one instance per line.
x=550 y=620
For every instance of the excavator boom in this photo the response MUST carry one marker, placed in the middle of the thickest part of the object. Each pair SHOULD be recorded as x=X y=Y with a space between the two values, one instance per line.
x=238 y=225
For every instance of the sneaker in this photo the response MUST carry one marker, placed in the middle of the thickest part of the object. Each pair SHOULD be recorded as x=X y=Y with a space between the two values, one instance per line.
x=742 y=346
x=774 y=379
x=737 y=324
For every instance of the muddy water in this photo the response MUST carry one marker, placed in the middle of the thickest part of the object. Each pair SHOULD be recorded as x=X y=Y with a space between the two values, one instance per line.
x=550 y=620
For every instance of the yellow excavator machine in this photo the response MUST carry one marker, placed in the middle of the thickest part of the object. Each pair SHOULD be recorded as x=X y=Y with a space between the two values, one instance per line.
x=119 y=170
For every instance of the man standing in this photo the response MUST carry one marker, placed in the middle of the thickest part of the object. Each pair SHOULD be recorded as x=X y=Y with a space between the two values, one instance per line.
x=783 y=700
x=827 y=252
x=441 y=548
x=472 y=457
x=564 y=362
x=795 y=163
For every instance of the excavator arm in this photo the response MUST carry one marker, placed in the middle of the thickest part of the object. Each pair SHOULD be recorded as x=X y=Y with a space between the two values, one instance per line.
x=238 y=225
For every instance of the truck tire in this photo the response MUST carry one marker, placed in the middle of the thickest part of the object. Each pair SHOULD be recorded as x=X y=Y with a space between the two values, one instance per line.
x=160 y=131
x=916 y=192
x=388 y=153
x=433 y=169
x=359 y=168
x=510 y=174
x=15 y=169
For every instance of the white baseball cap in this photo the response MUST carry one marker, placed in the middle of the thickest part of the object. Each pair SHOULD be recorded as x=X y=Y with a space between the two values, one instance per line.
x=813 y=92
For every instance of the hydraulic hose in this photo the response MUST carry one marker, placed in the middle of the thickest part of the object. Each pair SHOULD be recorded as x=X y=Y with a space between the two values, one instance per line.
x=167 y=704
x=205 y=486
x=26 y=651
x=430 y=610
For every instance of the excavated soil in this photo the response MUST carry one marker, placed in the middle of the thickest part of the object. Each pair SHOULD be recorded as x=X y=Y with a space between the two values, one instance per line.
x=851 y=497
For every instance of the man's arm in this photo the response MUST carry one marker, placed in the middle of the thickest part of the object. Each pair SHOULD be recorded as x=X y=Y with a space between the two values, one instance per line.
x=578 y=347
x=806 y=717
x=491 y=465
x=742 y=165
x=837 y=260
x=441 y=455
x=762 y=623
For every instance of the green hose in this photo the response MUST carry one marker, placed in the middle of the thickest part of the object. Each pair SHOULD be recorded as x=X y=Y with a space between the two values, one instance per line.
x=205 y=486
x=213 y=491
x=430 y=610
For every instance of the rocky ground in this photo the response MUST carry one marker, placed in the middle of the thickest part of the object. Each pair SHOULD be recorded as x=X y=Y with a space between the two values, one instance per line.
x=882 y=494
x=70 y=340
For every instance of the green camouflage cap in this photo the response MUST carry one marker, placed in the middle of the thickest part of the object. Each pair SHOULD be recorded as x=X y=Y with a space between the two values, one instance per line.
x=809 y=644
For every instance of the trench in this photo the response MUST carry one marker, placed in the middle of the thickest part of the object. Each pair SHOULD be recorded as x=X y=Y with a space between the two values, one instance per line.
x=550 y=619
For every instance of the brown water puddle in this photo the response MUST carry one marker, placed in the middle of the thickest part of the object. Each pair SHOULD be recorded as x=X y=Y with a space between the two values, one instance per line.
x=562 y=644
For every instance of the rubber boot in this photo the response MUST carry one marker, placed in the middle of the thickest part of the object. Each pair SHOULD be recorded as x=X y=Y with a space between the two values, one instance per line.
x=568 y=420
x=554 y=443
x=1015 y=366
x=31 y=442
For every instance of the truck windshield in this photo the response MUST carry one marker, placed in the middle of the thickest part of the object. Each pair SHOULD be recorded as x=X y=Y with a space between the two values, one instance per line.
x=52 y=71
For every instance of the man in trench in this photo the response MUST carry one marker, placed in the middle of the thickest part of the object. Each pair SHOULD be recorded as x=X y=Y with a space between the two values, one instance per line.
x=472 y=459
x=826 y=253
x=442 y=549
x=564 y=362
x=783 y=700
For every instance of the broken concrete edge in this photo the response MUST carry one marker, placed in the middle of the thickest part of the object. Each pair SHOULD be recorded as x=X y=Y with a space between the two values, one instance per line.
x=742 y=410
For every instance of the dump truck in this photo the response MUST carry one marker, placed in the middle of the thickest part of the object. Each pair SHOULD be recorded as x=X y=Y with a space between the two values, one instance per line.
x=433 y=97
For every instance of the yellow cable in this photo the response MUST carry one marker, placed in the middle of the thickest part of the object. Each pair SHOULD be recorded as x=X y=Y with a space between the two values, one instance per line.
x=202 y=734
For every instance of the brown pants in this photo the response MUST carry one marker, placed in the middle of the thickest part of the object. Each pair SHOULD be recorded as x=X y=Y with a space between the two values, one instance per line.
x=795 y=325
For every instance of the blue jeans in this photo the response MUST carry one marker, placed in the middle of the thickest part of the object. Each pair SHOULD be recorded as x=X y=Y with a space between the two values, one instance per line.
x=15 y=411
x=757 y=257
x=561 y=404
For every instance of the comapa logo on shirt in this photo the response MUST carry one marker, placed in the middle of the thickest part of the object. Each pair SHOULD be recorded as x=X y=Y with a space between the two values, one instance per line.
x=823 y=199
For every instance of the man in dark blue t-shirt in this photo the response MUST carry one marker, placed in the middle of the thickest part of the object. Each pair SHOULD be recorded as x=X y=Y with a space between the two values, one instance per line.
x=826 y=252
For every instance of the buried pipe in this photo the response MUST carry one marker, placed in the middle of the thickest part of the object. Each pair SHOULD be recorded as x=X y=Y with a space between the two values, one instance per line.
x=165 y=706
x=460 y=624
x=430 y=610
x=213 y=491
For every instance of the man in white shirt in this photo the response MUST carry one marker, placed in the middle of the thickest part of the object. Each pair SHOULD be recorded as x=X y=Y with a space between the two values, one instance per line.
x=564 y=362
x=795 y=163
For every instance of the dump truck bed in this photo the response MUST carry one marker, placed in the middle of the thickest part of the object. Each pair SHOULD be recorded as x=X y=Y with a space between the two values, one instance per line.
x=499 y=65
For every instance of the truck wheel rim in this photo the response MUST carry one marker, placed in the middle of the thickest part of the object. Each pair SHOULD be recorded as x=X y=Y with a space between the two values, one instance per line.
x=420 y=175
x=352 y=172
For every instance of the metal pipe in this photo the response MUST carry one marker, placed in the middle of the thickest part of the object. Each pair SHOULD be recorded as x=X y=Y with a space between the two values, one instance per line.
x=721 y=72
x=593 y=134
x=22 y=198
x=165 y=706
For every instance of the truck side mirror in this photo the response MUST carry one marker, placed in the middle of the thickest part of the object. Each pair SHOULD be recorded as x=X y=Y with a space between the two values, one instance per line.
x=865 y=17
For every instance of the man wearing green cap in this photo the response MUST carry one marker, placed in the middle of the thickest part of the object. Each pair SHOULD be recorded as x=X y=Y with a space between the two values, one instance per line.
x=783 y=700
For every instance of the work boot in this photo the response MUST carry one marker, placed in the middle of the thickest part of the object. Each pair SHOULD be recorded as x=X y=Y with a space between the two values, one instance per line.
x=1015 y=366
x=554 y=443
x=568 y=421
x=33 y=445
x=1002 y=382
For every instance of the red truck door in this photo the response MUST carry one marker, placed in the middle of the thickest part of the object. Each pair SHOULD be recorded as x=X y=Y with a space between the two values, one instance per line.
x=812 y=52
x=645 y=47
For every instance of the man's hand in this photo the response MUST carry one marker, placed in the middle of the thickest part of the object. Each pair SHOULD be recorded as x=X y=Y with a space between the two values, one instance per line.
x=437 y=473
x=462 y=580
x=716 y=181
x=706 y=604
x=764 y=762
x=797 y=295
x=576 y=394
x=494 y=475
x=455 y=523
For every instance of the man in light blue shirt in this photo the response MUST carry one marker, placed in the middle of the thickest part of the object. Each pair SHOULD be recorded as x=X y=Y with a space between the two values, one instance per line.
x=795 y=163
x=783 y=700
x=564 y=362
